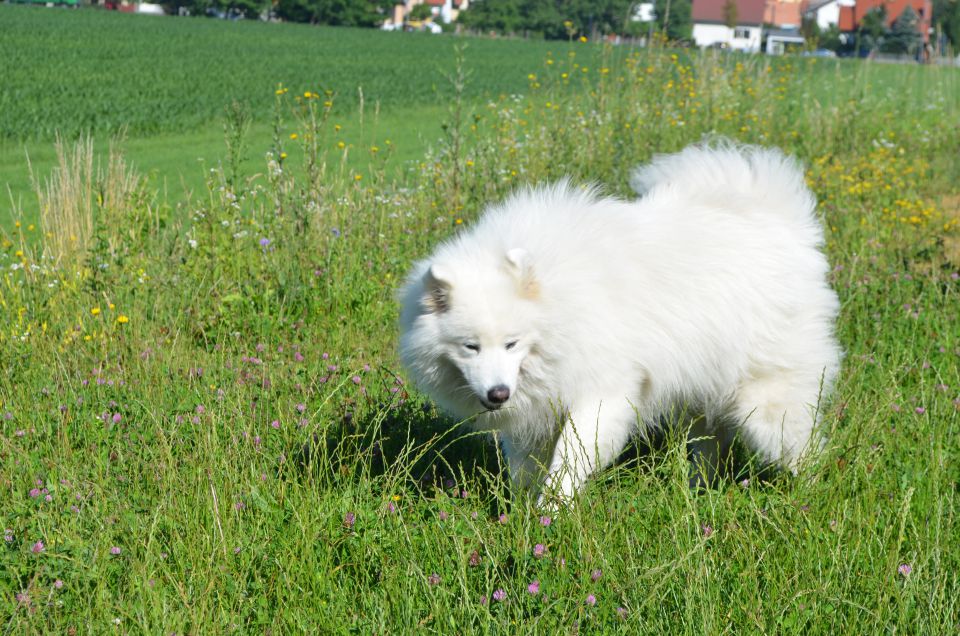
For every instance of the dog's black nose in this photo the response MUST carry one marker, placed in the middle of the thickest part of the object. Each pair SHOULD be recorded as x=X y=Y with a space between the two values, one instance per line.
x=498 y=394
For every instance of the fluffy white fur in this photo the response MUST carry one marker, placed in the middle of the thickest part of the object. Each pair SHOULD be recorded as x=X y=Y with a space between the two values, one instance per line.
x=566 y=321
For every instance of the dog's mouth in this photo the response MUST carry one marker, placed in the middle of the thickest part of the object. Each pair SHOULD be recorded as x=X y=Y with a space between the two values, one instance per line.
x=489 y=406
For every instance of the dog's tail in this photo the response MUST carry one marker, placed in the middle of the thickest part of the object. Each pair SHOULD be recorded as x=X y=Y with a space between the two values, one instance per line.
x=737 y=176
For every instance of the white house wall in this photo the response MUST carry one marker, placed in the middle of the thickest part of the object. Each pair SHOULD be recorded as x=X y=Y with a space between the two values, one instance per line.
x=828 y=14
x=708 y=34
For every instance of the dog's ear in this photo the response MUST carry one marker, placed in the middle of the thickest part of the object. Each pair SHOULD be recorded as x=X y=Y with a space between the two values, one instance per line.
x=519 y=265
x=437 y=284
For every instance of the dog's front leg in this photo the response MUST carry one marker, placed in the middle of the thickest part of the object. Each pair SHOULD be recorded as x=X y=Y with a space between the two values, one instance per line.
x=592 y=436
x=525 y=464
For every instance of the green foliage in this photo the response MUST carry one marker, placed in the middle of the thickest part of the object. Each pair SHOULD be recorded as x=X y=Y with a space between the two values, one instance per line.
x=904 y=35
x=830 y=38
x=873 y=29
x=946 y=15
x=352 y=13
x=420 y=12
x=810 y=31
x=674 y=18
x=548 y=17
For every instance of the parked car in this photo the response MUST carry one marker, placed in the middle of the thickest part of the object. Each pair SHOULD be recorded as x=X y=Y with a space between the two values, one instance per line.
x=819 y=53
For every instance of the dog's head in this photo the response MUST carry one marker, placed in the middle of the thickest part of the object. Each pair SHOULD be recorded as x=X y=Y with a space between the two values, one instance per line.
x=468 y=326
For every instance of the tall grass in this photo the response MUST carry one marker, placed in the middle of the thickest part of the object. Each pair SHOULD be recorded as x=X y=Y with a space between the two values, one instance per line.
x=79 y=190
x=203 y=426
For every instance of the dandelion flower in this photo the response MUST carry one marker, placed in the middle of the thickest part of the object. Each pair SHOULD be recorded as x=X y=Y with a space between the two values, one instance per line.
x=123 y=319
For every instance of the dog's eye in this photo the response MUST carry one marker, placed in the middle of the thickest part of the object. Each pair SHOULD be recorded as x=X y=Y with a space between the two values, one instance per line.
x=510 y=345
x=472 y=347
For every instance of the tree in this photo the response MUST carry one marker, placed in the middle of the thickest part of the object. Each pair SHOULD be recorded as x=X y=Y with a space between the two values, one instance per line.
x=810 y=31
x=904 y=35
x=420 y=12
x=873 y=29
x=547 y=17
x=358 y=13
x=946 y=15
x=502 y=16
x=830 y=39
x=730 y=13
x=674 y=18
x=245 y=8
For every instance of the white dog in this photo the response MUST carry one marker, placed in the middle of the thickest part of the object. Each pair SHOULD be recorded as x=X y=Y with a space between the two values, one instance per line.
x=566 y=321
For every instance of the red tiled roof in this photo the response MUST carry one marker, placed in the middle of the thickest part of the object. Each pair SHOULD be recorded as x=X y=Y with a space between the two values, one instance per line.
x=782 y=13
x=748 y=11
x=847 y=22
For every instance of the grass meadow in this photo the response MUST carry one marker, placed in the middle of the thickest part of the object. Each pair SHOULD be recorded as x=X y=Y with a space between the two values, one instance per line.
x=204 y=427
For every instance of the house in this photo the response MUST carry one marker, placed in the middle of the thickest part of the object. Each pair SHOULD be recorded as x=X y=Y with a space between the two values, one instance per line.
x=712 y=17
x=445 y=11
x=851 y=15
x=779 y=41
x=826 y=12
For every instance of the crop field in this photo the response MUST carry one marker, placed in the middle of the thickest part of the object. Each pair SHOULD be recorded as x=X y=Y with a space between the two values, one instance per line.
x=159 y=76
x=165 y=85
x=204 y=427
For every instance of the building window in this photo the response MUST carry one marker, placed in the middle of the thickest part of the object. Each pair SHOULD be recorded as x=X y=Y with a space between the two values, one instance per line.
x=741 y=34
